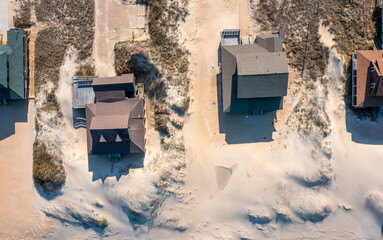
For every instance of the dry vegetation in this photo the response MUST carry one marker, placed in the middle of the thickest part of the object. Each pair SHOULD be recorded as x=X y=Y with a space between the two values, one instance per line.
x=102 y=222
x=354 y=24
x=68 y=23
x=162 y=65
x=86 y=69
x=308 y=56
x=22 y=18
x=49 y=173
x=351 y=22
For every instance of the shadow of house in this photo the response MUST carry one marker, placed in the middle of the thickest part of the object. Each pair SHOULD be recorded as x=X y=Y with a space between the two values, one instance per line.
x=102 y=167
x=377 y=19
x=15 y=111
x=244 y=128
x=365 y=130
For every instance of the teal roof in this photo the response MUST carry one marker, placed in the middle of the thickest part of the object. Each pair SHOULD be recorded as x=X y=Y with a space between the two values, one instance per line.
x=5 y=48
x=3 y=70
x=15 y=40
x=12 y=80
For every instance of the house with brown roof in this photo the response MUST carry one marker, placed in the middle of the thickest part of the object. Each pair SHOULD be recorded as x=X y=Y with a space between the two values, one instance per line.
x=367 y=78
x=114 y=113
x=116 y=127
x=254 y=72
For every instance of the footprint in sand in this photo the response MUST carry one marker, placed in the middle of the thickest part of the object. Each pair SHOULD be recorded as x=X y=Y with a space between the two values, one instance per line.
x=223 y=175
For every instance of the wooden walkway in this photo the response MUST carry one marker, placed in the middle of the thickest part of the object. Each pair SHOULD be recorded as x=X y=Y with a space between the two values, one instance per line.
x=32 y=40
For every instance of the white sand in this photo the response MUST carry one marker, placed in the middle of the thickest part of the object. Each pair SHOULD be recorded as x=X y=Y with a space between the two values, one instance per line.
x=262 y=177
x=257 y=179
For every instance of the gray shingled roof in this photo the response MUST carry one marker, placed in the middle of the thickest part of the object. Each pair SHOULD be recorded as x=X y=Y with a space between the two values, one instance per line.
x=261 y=86
x=271 y=42
x=262 y=63
x=253 y=78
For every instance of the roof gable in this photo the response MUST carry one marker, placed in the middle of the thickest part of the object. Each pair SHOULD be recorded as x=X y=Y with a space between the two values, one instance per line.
x=262 y=63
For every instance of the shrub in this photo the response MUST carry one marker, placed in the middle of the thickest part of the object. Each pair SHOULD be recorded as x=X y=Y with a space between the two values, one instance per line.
x=22 y=18
x=161 y=123
x=102 y=222
x=86 y=70
x=48 y=171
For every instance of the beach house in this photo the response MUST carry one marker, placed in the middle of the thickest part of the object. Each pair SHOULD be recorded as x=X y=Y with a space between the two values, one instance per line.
x=254 y=72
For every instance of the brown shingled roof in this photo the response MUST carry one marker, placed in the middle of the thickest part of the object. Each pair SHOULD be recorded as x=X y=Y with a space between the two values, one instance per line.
x=116 y=127
x=365 y=97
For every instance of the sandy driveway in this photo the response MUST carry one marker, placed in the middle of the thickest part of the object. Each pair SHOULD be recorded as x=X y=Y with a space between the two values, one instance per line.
x=115 y=22
x=20 y=217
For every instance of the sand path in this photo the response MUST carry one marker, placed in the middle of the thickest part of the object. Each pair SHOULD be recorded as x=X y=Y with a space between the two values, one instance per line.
x=208 y=147
x=20 y=216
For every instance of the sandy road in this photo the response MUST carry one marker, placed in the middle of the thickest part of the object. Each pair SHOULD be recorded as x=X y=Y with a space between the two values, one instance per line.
x=20 y=217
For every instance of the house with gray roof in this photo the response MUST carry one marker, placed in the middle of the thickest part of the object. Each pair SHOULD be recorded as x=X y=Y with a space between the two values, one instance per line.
x=254 y=74
x=14 y=66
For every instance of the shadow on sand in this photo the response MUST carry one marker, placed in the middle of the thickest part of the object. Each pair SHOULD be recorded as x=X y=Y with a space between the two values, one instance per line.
x=15 y=111
x=102 y=167
x=365 y=131
x=244 y=128
x=48 y=195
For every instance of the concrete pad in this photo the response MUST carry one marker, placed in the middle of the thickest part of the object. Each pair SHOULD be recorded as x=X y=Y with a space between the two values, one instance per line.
x=141 y=22
x=115 y=22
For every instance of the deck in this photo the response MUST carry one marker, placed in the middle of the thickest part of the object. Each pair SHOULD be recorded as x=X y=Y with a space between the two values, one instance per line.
x=82 y=91
x=230 y=37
